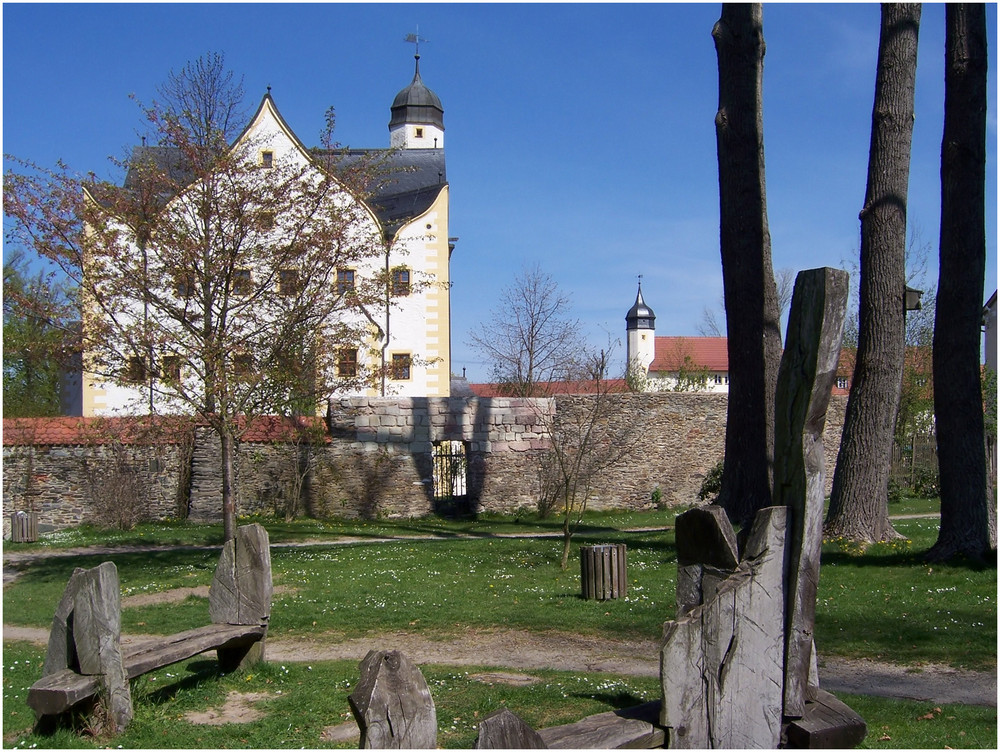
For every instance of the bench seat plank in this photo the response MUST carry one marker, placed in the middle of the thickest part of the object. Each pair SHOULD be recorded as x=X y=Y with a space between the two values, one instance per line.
x=61 y=690
x=631 y=728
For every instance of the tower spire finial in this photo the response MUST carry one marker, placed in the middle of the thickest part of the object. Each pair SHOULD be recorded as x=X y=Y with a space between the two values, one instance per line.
x=415 y=39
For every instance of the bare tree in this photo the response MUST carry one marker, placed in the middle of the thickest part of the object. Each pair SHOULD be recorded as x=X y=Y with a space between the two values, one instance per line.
x=968 y=524
x=209 y=278
x=530 y=339
x=859 y=508
x=586 y=439
x=752 y=320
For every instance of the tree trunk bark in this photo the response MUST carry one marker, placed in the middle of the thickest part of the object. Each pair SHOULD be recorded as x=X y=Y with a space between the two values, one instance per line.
x=228 y=500
x=752 y=317
x=958 y=404
x=859 y=502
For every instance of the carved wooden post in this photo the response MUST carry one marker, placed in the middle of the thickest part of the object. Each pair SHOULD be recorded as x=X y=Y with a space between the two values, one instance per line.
x=86 y=636
x=805 y=380
x=241 y=591
x=504 y=729
x=392 y=704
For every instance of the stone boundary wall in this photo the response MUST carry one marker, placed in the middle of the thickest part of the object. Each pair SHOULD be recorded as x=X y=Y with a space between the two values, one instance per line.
x=377 y=460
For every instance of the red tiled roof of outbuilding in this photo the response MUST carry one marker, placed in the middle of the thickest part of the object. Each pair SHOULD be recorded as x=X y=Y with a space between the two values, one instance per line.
x=158 y=429
x=705 y=352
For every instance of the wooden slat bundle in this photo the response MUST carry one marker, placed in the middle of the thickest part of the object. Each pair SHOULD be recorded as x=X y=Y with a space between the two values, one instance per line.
x=603 y=572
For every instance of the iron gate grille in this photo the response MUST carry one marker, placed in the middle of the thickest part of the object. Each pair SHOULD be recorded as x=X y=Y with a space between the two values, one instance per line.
x=450 y=465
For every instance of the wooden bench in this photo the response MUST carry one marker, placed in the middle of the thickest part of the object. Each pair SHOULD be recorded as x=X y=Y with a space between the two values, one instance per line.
x=85 y=659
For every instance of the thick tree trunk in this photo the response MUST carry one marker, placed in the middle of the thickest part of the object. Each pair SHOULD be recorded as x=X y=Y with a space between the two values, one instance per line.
x=859 y=503
x=958 y=406
x=752 y=318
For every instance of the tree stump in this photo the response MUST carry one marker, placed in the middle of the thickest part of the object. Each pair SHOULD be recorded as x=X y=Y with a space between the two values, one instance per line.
x=392 y=704
x=603 y=572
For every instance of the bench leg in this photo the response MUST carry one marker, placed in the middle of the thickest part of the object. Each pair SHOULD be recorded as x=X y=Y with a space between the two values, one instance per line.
x=234 y=659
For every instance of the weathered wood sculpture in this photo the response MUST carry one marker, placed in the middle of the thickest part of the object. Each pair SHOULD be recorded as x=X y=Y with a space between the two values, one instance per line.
x=85 y=638
x=85 y=658
x=392 y=704
x=504 y=729
x=737 y=666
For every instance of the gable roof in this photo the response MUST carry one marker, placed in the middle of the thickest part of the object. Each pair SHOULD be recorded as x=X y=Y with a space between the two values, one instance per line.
x=704 y=352
x=408 y=181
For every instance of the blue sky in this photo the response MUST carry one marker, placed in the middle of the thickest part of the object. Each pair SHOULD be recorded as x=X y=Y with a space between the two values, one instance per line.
x=578 y=136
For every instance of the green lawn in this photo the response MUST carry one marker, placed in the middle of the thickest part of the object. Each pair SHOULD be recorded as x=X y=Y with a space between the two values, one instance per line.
x=884 y=603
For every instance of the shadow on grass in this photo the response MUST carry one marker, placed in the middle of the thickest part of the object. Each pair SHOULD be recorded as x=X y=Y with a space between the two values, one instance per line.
x=912 y=558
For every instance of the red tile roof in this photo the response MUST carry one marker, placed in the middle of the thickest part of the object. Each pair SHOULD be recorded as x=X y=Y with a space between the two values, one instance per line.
x=552 y=388
x=704 y=352
x=160 y=429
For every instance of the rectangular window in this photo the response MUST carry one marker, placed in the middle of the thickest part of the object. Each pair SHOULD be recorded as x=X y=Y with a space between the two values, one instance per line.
x=265 y=220
x=242 y=364
x=401 y=282
x=288 y=281
x=842 y=382
x=345 y=281
x=136 y=371
x=347 y=362
x=420 y=132
x=267 y=159
x=241 y=282
x=400 y=369
x=184 y=285
x=171 y=370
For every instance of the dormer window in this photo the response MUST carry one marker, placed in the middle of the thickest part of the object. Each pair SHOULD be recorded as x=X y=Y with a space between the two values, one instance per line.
x=267 y=159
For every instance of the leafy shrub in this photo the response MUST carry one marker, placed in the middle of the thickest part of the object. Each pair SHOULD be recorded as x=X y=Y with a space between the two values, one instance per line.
x=712 y=484
x=926 y=483
x=895 y=491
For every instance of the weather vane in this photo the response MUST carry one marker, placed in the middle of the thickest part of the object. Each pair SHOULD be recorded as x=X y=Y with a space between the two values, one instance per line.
x=415 y=39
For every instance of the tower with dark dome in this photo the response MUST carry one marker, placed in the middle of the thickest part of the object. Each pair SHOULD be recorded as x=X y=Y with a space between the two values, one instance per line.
x=640 y=334
x=417 y=116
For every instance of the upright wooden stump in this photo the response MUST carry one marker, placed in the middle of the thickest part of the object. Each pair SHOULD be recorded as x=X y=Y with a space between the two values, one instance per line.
x=241 y=591
x=603 y=572
x=504 y=729
x=392 y=704
x=86 y=637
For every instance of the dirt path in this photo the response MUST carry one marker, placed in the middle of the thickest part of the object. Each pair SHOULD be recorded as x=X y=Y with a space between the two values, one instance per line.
x=526 y=651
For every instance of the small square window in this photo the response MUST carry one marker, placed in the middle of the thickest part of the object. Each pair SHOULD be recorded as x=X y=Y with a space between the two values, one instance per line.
x=288 y=281
x=401 y=282
x=419 y=132
x=171 y=370
x=400 y=369
x=241 y=282
x=265 y=220
x=347 y=362
x=267 y=159
x=345 y=281
x=135 y=370
x=242 y=364
x=184 y=285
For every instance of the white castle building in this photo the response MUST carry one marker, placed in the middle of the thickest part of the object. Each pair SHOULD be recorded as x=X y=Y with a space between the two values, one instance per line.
x=407 y=212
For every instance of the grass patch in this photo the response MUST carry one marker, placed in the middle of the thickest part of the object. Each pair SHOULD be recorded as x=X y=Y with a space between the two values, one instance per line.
x=182 y=532
x=908 y=724
x=883 y=603
x=301 y=701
